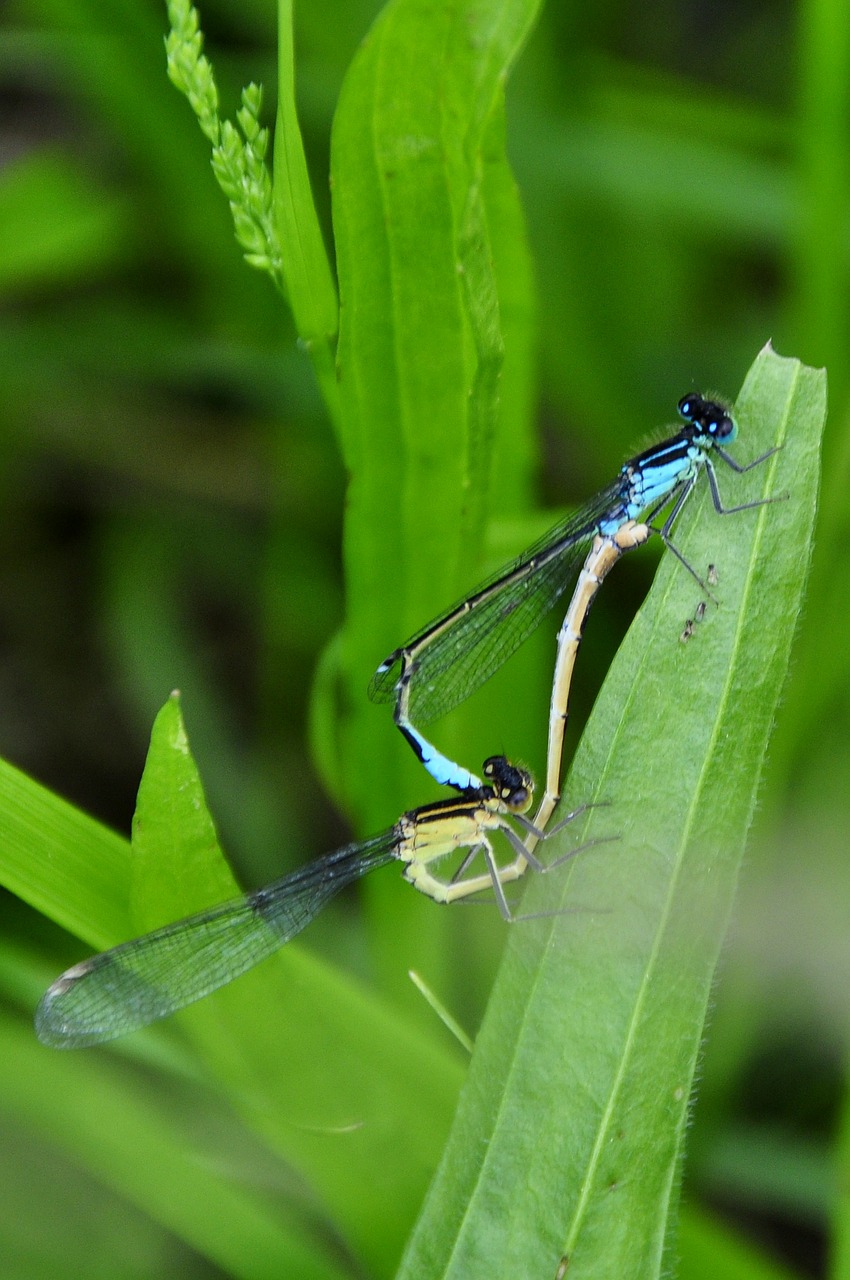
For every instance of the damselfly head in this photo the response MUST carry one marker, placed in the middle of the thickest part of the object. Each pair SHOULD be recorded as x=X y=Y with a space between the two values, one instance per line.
x=709 y=417
x=511 y=784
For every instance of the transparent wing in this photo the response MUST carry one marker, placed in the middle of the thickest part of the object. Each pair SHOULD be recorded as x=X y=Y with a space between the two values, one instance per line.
x=457 y=652
x=451 y=666
x=153 y=976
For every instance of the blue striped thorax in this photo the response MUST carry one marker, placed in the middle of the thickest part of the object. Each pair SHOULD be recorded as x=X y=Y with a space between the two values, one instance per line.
x=652 y=475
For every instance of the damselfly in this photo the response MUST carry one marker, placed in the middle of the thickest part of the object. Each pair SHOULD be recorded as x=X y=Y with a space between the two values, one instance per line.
x=449 y=659
x=150 y=977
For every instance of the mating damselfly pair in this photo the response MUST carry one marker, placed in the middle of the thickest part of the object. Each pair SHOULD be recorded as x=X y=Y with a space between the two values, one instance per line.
x=150 y=977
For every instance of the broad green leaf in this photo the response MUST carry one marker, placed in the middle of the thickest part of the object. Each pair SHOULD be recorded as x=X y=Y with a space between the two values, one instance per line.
x=568 y=1138
x=434 y=278
x=429 y=243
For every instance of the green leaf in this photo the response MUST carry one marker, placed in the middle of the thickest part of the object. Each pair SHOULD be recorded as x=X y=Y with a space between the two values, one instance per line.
x=62 y=862
x=142 y=1143
x=568 y=1138
x=434 y=275
x=321 y=1070
x=177 y=864
x=422 y=194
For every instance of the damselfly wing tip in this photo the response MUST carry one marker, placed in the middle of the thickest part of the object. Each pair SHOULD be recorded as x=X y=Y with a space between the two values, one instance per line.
x=384 y=683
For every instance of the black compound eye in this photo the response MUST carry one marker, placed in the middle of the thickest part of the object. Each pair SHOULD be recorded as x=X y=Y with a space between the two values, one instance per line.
x=494 y=767
x=717 y=422
x=508 y=782
x=691 y=407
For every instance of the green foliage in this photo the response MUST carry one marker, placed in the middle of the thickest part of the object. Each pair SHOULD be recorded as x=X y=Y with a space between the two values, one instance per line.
x=568 y=1138
x=177 y=480
x=424 y=206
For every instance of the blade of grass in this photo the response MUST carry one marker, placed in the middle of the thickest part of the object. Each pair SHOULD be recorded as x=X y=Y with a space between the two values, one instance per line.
x=568 y=1138
x=129 y=1138
x=61 y=862
x=309 y=283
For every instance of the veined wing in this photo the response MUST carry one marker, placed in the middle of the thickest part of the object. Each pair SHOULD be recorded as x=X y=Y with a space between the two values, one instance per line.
x=150 y=977
x=457 y=652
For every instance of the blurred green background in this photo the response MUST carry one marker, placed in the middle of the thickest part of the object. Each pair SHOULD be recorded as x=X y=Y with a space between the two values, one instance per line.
x=171 y=495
